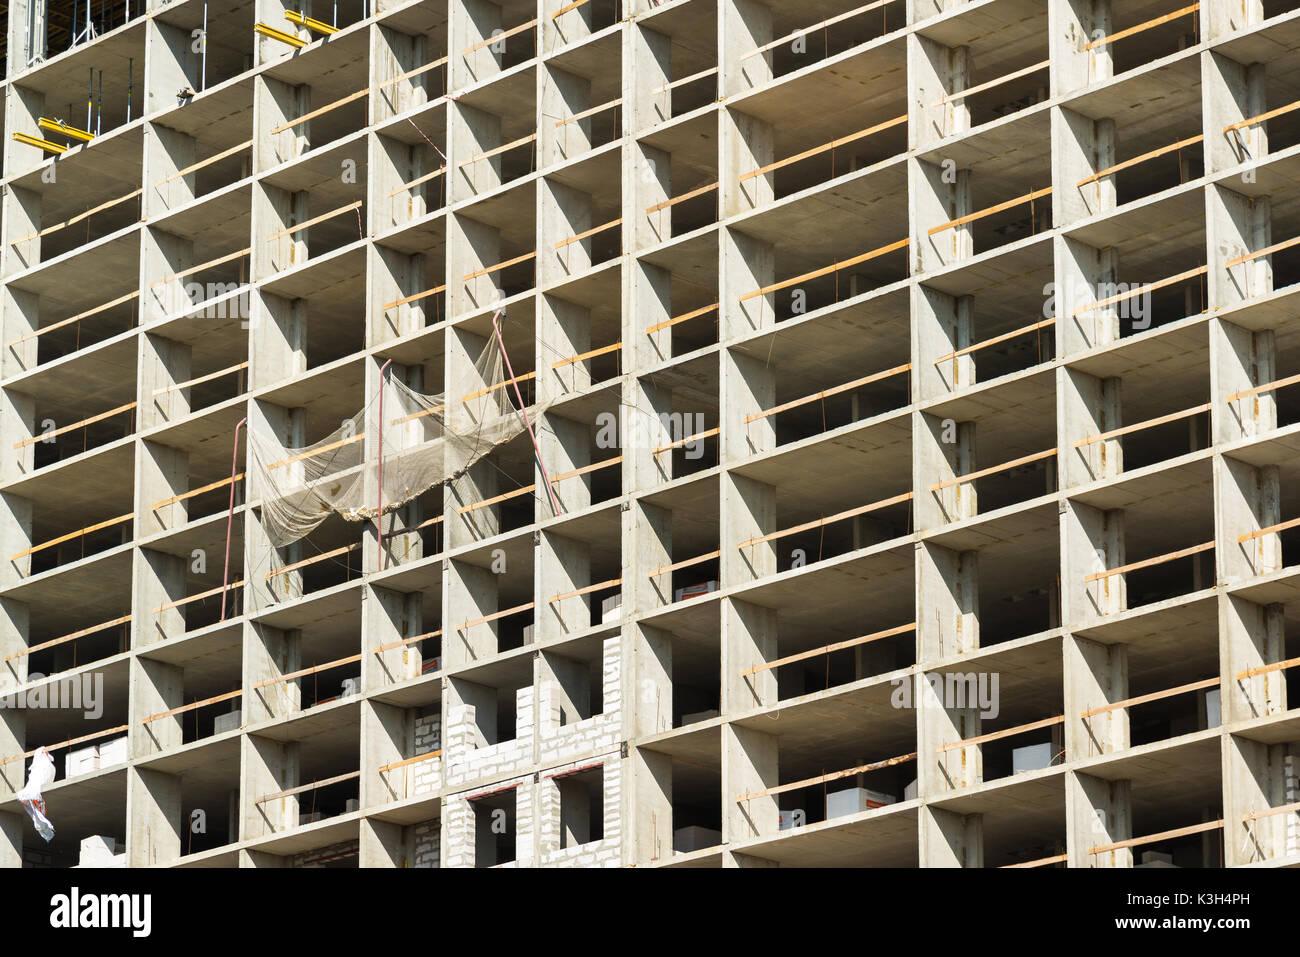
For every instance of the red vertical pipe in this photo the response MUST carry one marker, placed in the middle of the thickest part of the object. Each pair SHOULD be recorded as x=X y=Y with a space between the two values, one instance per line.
x=379 y=515
x=230 y=516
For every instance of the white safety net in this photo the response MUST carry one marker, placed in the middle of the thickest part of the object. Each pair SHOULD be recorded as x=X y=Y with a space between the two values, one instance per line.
x=426 y=440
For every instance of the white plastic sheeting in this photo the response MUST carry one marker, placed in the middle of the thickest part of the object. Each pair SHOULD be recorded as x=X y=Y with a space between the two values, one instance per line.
x=39 y=776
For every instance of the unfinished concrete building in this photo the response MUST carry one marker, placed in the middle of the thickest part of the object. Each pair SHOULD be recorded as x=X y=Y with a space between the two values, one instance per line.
x=913 y=390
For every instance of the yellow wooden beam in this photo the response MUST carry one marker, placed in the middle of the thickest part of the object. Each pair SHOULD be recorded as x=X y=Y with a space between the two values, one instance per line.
x=268 y=31
x=63 y=129
x=315 y=26
x=39 y=143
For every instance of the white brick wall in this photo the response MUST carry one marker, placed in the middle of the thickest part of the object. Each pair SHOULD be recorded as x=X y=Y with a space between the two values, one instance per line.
x=426 y=776
x=603 y=853
x=564 y=742
x=458 y=819
x=466 y=759
x=426 y=844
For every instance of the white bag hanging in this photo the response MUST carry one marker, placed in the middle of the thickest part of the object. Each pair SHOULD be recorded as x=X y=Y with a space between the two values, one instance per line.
x=39 y=775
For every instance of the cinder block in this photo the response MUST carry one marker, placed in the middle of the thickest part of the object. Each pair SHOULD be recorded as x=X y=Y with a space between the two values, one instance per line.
x=853 y=800
x=112 y=751
x=695 y=838
x=97 y=850
x=1031 y=757
x=81 y=761
x=694 y=591
x=1156 y=859
x=695 y=716
x=227 y=722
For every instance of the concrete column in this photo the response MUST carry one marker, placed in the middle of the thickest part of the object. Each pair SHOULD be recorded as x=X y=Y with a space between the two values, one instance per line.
x=472 y=595
x=163 y=363
x=949 y=839
x=1074 y=24
x=1233 y=92
x=289 y=427
x=748 y=264
x=386 y=732
x=173 y=64
x=650 y=529
x=15 y=537
x=1237 y=225
x=748 y=144
x=167 y=152
x=651 y=304
x=1095 y=675
x=11 y=839
x=158 y=580
x=748 y=387
x=943 y=449
x=650 y=71
x=749 y=638
x=274 y=104
x=1241 y=360
x=935 y=72
x=564 y=565
x=393 y=54
x=939 y=195
x=471 y=132
x=1098 y=812
x=1255 y=779
x=162 y=257
x=382 y=844
x=748 y=512
x=396 y=276
x=1249 y=499
x=1082 y=147
x=153 y=815
x=750 y=763
x=13 y=740
x=942 y=771
x=1253 y=637
x=652 y=701
x=563 y=95
x=18 y=419
x=744 y=26
x=1083 y=275
x=565 y=213
x=1094 y=542
x=162 y=473
x=947 y=599
x=274 y=211
x=564 y=329
x=156 y=687
x=943 y=324
x=470 y=23
x=278 y=348
x=1220 y=19
x=1089 y=406
x=20 y=315
x=15 y=635
x=390 y=616
x=268 y=654
x=266 y=767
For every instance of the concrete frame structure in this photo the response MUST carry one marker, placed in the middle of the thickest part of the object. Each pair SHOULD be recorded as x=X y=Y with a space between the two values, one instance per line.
x=921 y=390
